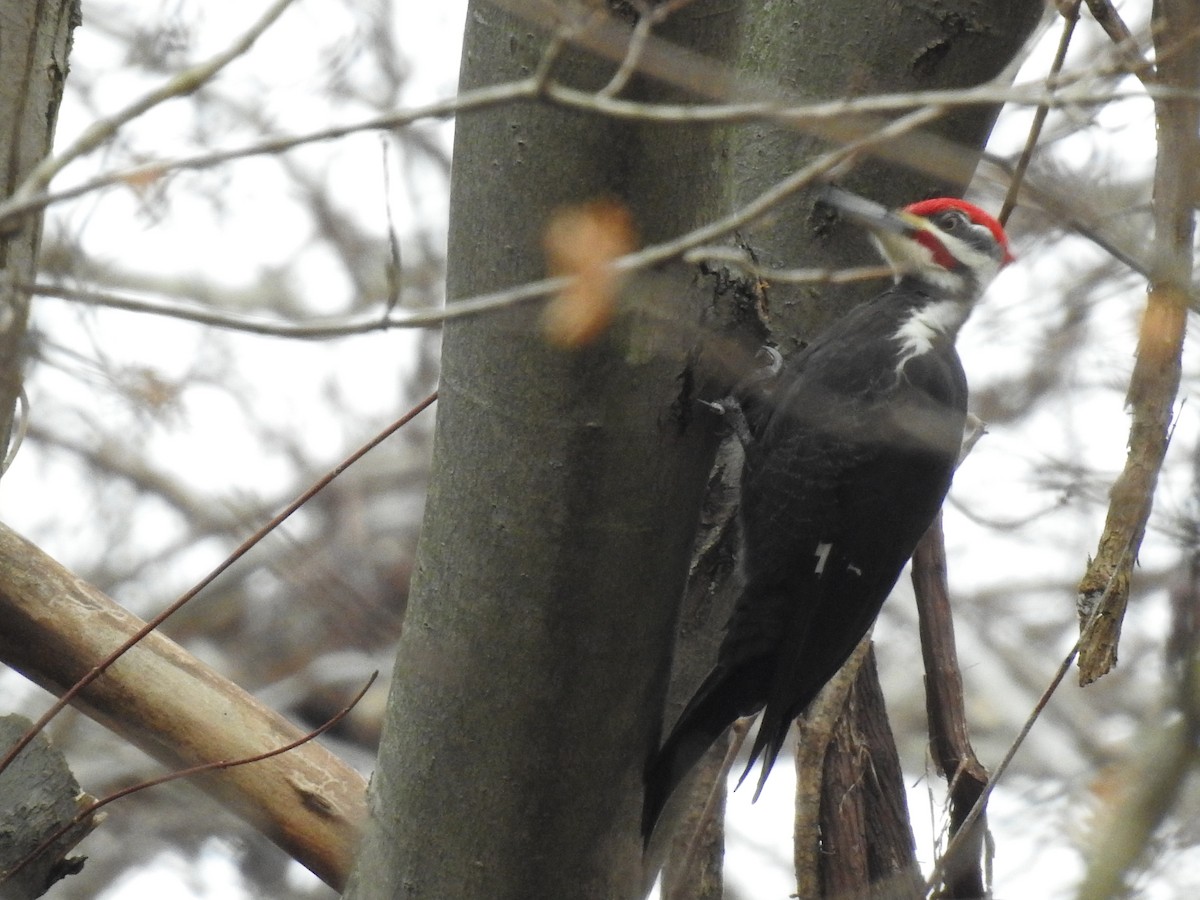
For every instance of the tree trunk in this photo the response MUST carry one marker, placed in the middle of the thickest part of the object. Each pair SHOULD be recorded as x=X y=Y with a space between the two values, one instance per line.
x=35 y=39
x=564 y=498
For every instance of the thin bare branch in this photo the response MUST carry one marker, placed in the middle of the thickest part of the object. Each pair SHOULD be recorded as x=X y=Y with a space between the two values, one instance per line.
x=633 y=262
x=641 y=32
x=91 y=809
x=483 y=98
x=1154 y=385
x=953 y=847
x=1070 y=19
x=949 y=737
x=738 y=257
x=779 y=110
x=182 y=84
x=133 y=639
x=1114 y=26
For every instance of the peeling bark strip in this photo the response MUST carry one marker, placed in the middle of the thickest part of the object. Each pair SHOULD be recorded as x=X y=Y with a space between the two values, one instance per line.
x=38 y=796
x=816 y=734
x=867 y=844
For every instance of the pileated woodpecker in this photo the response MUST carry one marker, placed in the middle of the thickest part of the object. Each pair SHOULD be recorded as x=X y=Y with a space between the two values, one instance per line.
x=850 y=448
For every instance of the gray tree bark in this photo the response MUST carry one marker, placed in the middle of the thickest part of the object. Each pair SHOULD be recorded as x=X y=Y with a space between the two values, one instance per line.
x=39 y=796
x=559 y=523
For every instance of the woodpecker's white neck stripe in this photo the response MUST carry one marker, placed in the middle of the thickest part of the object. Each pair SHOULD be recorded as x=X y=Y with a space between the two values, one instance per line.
x=926 y=324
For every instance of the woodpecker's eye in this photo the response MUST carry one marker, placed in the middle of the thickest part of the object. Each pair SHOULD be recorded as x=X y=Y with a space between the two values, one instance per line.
x=950 y=221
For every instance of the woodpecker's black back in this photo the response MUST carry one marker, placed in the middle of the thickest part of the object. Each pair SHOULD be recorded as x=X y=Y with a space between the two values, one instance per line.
x=852 y=448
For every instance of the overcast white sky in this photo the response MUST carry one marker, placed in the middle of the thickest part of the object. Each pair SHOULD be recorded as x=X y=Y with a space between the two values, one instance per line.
x=995 y=481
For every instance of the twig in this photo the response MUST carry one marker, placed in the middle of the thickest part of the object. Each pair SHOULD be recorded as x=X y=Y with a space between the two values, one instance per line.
x=1110 y=20
x=468 y=101
x=806 y=116
x=315 y=330
x=648 y=16
x=647 y=19
x=1070 y=19
x=534 y=290
x=738 y=257
x=965 y=829
x=182 y=84
x=390 y=318
x=949 y=737
x=554 y=49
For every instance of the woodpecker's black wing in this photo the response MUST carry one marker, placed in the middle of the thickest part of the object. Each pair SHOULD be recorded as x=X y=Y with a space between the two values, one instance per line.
x=842 y=478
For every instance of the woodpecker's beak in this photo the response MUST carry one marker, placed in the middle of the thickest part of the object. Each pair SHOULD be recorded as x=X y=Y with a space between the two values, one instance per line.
x=905 y=239
x=869 y=214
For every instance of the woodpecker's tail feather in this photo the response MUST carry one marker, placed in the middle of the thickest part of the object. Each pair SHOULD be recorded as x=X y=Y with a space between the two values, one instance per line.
x=668 y=768
x=767 y=744
x=725 y=695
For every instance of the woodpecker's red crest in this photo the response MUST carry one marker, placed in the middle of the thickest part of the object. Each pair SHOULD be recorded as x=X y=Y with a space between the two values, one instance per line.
x=927 y=209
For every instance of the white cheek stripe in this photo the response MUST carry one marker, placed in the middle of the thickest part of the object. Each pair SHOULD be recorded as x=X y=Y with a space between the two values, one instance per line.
x=984 y=265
